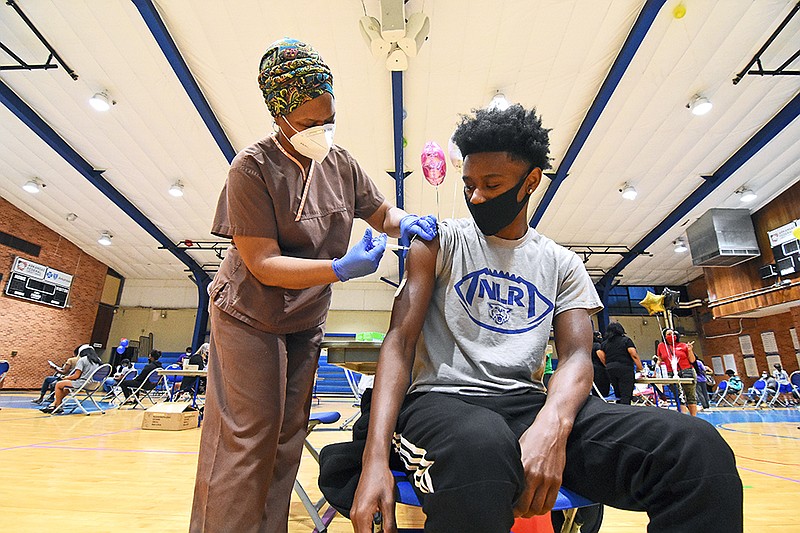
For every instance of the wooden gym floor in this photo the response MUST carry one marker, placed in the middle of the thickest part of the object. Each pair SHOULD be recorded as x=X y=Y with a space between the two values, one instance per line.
x=104 y=473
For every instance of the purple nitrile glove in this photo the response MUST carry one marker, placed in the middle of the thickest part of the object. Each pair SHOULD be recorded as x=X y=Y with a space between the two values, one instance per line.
x=362 y=259
x=424 y=227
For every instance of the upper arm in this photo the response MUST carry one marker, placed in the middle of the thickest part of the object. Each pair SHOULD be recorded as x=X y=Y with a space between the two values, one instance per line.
x=573 y=334
x=254 y=250
x=377 y=219
x=411 y=304
x=246 y=206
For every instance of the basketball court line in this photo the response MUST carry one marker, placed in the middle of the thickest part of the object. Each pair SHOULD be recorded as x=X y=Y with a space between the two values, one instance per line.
x=768 y=474
x=726 y=428
x=69 y=439
x=86 y=448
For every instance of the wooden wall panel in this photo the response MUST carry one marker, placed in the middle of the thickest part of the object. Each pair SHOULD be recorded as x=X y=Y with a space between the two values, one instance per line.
x=723 y=282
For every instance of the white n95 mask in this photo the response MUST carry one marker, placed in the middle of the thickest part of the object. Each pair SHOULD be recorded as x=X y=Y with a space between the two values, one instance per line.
x=314 y=142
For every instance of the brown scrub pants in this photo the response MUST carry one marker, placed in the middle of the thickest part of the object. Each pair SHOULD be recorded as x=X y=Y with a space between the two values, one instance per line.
x=256 y=413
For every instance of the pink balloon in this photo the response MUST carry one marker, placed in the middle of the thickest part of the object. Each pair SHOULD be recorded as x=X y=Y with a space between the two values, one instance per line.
x=434 y=164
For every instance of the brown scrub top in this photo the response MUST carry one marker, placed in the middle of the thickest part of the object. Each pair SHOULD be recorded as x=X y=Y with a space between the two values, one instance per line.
x=262 y=198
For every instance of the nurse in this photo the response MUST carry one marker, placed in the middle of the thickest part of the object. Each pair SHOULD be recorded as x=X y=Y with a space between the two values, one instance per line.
x=288 y=204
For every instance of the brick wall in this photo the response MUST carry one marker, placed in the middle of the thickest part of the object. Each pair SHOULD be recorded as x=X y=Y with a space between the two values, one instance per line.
x=40 y=332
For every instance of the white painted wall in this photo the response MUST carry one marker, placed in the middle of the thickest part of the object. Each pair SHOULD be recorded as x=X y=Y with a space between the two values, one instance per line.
x=172 y=332
x=159 y=294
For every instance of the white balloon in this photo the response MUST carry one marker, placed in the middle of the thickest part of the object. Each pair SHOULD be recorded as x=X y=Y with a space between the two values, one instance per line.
x=455 y=154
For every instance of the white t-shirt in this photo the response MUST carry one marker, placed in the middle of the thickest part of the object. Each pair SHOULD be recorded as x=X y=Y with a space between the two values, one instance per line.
x=87 y=368
x=781 y=376
x=492 y=308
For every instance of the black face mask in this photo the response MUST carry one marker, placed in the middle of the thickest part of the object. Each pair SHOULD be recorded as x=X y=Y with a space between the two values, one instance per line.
x=493 y=215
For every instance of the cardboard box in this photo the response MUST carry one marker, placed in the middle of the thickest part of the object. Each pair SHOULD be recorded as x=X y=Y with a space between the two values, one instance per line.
x=171 y=416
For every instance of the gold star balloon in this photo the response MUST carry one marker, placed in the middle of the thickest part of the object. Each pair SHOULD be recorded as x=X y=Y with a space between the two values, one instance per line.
x=654 y=304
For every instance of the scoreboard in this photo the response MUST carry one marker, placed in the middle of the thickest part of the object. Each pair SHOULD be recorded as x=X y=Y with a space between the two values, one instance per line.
x=38 y=283
x=785 y=249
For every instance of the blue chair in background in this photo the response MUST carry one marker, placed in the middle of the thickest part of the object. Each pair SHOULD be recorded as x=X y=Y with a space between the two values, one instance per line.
x=4 y=366
x=756 y=393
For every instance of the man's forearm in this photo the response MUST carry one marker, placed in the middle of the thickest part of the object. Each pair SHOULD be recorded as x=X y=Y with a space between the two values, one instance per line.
x=391 y=384
x=567 y=391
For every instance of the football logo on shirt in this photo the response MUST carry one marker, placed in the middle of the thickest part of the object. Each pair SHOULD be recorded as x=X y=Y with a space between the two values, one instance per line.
x=502 y=302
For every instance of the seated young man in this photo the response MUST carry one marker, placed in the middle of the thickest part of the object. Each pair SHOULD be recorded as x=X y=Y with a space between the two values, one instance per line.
x=482 y=439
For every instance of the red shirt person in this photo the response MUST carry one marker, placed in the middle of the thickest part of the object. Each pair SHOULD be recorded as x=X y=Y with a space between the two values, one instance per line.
x=672 y=349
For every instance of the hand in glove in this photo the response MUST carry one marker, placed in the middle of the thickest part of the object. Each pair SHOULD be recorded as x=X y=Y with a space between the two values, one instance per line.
x=411 y=225
x=361 y=259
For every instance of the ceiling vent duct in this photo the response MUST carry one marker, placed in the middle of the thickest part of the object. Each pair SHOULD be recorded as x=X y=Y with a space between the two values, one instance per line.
x=722 y=238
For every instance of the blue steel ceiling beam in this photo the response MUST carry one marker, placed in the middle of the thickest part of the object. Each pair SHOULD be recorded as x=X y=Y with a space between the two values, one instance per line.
x=771 y=129
x=621 y=63
x=399 y=161
x=29 y=117
x=170 y=50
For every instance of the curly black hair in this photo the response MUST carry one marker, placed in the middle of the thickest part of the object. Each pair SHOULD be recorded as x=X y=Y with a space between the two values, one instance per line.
x=515 y=130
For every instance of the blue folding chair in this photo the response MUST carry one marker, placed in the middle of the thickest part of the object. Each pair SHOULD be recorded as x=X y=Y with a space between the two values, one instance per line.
x=784 y=389
x=4 y=366
x=567 y=501
x=794 y=379
x=755 y=394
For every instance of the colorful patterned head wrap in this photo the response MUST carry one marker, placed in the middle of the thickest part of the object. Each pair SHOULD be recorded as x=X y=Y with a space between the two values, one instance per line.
x=290 y=74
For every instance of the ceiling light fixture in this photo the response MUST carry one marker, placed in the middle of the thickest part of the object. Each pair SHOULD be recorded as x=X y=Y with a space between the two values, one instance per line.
x=628 y=191
x=747 y=194
x=699 y=105
x=680 y=246
x=101 y=102
x=71 y=217
x=176 y=189
x=499 y=102
x=33 y=186
x=105 y=238
x=394 y=38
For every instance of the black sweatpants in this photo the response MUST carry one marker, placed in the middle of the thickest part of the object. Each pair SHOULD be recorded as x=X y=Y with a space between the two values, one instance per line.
x=465 y=462
x=622 y=379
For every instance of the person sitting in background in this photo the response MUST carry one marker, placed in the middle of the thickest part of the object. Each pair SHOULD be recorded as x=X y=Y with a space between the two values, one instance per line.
x=49 y=383
x=734 y=381
x=753 y=394
x=88 y=362
x=123 y=368
x=735 y=384
x=198 y=360
x=186 y=355
x=782 y=377
x=129 y=385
